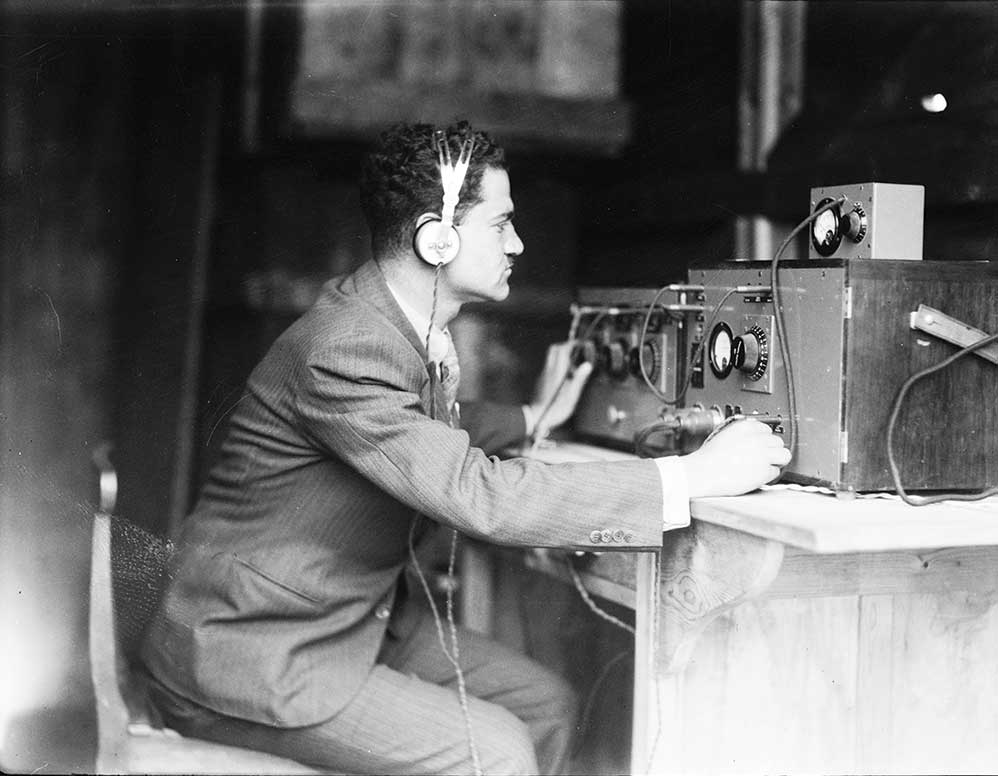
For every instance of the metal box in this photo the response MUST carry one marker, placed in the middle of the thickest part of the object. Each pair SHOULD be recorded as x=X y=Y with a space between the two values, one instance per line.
x=616 y=401
x=851 y=348
x=876 y=221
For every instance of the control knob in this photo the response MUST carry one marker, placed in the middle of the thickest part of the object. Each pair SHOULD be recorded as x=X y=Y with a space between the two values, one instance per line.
x=649 y=351
x=614 y=358
x=854 y=223
x=750 y=352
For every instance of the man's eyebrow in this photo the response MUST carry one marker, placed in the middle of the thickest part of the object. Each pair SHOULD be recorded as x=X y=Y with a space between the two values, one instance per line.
x=506 y=216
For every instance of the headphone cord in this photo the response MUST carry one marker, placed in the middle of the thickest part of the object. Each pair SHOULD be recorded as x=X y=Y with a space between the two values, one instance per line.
x=452 y=654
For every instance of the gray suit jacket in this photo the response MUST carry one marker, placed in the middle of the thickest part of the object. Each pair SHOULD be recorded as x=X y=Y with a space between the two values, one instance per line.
x=301 y=532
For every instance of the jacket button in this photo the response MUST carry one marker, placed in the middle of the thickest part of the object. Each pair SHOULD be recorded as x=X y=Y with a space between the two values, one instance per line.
x=607 y=536
x=618 y=535
x=595 y=537
x=628 y=537
x=383 y=612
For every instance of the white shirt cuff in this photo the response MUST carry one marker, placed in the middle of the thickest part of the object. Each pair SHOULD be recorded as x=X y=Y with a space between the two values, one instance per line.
x=675 y=493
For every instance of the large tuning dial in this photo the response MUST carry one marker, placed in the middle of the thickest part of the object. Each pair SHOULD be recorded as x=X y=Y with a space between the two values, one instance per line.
x=652 y=360
x=750 y=353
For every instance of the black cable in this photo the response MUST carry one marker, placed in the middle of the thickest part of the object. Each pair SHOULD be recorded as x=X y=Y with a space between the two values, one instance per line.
x=641 y=447
x=919 y=501
x=781 y=330
x=641 y=354
x=693 y=360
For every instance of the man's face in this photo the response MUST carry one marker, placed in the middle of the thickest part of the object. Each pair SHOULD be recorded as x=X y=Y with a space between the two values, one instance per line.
x=489 y=244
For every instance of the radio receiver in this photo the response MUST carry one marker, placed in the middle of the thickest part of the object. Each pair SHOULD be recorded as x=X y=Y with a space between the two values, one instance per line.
x=608 y=325
x=852 y=343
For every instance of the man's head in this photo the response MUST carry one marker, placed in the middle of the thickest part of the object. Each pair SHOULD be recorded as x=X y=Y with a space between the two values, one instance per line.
x=400 y=181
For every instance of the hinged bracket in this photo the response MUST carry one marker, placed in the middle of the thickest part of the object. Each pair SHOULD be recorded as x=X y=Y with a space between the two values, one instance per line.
x=947 y=328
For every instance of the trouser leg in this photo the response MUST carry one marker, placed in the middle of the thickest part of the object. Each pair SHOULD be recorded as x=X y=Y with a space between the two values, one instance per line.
x=407 y=717
x=396 y=724
x=495 y=673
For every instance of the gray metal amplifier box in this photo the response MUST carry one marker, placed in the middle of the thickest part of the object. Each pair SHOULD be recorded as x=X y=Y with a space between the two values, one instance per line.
x=875 y=221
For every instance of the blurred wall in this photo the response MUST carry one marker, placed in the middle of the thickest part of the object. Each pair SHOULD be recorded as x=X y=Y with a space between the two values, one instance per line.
x=66 y=160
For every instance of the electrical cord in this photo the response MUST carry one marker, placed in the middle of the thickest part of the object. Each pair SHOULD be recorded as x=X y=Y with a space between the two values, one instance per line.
x=919 y=501
x=644 y=450
x=641 y=436
x=593 y=606
x=452 y=654
x=655 y=604
x=781 y=329
x=693 y=359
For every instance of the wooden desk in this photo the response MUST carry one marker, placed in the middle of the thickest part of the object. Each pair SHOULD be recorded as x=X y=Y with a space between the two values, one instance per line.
x=802 y=633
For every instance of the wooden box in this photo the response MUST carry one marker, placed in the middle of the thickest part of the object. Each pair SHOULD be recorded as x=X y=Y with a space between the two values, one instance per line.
x=851 y=348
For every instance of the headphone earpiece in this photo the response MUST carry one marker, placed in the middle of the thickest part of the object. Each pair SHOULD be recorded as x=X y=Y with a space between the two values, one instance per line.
x=435 y=240
x=434 y=244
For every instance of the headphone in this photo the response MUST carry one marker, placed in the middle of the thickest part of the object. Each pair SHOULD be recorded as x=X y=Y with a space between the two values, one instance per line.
x=435 y=240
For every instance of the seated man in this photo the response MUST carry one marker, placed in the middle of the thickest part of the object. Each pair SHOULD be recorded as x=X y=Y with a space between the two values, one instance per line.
x=288 y=624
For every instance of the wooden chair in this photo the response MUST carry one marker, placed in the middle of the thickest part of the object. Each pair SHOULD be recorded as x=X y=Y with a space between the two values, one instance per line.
x=131 y=737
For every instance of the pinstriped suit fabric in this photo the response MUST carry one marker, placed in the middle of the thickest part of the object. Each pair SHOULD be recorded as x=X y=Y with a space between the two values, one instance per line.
x=301 y=532
x=407 y=719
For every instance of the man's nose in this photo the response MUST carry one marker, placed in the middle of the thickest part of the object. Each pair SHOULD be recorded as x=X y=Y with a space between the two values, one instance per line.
x=514 y=245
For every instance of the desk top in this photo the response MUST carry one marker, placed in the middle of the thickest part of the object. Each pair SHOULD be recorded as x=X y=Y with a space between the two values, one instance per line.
x=824 y=523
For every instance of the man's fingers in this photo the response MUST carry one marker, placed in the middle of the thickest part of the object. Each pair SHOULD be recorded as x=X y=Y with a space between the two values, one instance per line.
x=580 y=375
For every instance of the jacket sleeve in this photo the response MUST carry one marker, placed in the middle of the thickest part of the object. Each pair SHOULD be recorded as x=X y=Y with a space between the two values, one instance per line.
x=358 y=398
x=492 y=426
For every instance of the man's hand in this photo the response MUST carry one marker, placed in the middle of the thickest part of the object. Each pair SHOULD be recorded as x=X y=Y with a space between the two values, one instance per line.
x=740 y=458
x=557 y=392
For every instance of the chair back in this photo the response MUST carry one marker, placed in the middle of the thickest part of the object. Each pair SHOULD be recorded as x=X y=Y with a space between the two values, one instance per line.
x=127 y=575
x=139 y=563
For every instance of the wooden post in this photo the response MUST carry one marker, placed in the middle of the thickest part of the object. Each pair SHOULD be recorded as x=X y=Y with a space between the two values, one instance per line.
x=770 y=95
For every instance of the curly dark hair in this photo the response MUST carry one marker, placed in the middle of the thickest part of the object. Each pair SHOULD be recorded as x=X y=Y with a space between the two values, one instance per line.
x=400 y=180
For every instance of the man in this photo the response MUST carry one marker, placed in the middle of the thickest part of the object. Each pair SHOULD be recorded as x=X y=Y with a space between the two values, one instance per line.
x=289 y=625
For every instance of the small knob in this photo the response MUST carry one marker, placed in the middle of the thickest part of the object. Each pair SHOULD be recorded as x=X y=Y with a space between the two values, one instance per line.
x=615 y=359
x=853 y=224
